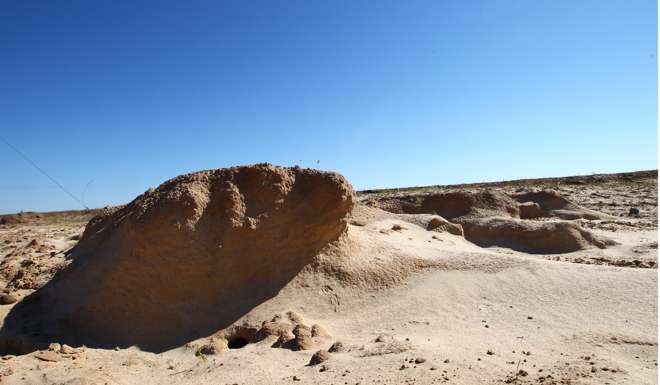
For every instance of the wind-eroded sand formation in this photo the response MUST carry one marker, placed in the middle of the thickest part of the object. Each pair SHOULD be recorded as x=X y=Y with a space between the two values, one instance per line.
x=491 y=218
x=186 y=259
x=263 y=274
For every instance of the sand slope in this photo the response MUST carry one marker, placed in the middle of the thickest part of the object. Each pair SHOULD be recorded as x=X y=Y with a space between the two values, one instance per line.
x=410 y=305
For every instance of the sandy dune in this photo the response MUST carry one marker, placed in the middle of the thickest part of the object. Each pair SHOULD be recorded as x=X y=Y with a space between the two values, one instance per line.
x=408 y=305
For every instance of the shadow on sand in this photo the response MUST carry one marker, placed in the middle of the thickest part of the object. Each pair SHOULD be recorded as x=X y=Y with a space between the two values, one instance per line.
x=36 y=321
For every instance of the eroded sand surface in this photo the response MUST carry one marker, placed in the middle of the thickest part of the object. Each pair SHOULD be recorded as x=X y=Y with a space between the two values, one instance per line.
x=407 y=305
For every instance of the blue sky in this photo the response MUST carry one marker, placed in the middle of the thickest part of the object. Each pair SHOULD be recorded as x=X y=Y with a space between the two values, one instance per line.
x=114 y=97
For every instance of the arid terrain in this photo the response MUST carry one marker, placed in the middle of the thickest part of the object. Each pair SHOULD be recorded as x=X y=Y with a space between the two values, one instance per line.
x=269 y=275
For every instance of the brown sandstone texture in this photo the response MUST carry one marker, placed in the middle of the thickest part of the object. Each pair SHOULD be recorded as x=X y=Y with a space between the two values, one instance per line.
x=185 y=259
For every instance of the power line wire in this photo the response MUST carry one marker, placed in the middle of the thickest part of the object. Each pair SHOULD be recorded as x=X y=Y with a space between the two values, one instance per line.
x=43 y=172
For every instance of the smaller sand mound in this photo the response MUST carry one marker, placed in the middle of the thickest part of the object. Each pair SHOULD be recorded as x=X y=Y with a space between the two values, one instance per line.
x=364 y=214
x=490 y=218
x=287 y=331
x=432 y=222
x=548 y=203
x=450 y=205
x=470 y=204
x=531 y=237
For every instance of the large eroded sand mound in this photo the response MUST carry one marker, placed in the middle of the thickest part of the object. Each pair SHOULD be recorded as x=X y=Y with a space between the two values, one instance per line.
x=186 y=259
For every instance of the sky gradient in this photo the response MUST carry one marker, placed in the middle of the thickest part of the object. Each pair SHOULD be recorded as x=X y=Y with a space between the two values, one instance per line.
x=114 y=97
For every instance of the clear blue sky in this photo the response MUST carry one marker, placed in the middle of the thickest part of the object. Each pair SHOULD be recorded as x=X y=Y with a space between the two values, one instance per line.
x=114 y=97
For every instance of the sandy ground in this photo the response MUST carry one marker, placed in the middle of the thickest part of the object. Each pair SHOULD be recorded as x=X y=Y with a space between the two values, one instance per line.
x=418 y=307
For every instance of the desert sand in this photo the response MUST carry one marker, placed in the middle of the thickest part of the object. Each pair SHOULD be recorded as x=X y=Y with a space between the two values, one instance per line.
x=269 y=275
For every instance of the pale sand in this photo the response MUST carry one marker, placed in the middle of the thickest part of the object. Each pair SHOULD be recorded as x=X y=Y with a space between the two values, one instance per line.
x=442 y=299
